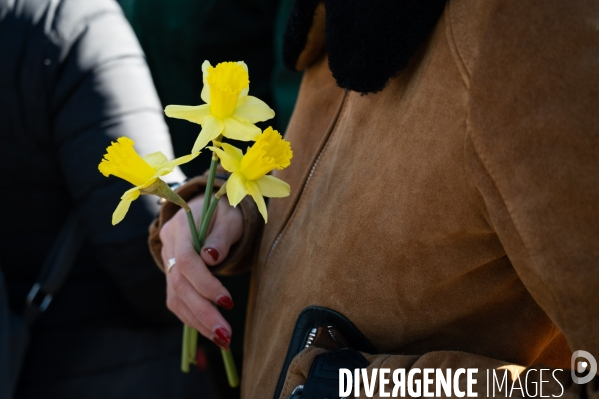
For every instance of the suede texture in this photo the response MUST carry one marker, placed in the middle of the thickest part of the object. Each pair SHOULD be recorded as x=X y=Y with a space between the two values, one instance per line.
x=452 y=216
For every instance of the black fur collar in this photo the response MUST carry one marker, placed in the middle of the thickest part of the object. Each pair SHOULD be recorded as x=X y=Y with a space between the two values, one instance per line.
x=367 y=41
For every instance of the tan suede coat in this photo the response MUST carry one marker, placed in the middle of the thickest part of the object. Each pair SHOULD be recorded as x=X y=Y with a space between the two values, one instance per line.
x=452 y=217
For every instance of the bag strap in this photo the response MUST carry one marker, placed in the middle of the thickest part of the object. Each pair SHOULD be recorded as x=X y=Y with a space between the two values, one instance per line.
x=56 y=267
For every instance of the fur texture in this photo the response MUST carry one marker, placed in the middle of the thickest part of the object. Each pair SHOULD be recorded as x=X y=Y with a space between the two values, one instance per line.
x=367 y=41
x=294 y=39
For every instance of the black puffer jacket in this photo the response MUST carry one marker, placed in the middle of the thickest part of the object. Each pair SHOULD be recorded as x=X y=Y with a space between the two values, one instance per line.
x=72 y=79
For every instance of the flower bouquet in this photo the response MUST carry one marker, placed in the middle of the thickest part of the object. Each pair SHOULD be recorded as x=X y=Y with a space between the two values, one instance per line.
x=231 y=113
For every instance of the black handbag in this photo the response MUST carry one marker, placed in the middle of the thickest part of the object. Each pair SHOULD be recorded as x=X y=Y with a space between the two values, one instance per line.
x=14 y=328
x=344 y=342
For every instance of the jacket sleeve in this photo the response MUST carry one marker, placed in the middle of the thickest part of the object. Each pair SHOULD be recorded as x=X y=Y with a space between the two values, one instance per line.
x=531 y=153
x=533 y=144
x=102 y=90
x=241 y=254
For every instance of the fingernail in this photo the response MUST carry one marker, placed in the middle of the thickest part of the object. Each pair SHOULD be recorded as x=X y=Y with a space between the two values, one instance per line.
x=212 y=252
x=220 y=343
x=223 y=334
x=225 y=302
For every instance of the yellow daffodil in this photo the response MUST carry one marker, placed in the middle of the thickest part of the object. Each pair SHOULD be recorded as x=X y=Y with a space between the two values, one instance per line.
x=228 y=110
x=121 y=160
x=249 y=171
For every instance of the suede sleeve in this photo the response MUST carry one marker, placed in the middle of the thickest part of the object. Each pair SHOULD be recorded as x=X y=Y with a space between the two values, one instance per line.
x=240 y=255
x=531 y=152
x=533 y=148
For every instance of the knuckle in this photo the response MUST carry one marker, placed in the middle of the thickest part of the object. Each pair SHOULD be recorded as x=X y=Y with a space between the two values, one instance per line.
x=185 y=259
x=201 y=314
x=171 y=304
x=176 y=280
x=165 y=232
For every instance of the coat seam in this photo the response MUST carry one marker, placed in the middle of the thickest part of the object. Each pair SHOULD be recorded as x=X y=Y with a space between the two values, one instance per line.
x=455 y=45
x=293 y=213
x=490 y=171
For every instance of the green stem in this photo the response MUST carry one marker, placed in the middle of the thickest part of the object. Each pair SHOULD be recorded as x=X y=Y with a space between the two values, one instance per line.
x=185 y=350
x=190 y=334
x=210 y=184
x=230 y=368
x=208 y=216
x=194 y=233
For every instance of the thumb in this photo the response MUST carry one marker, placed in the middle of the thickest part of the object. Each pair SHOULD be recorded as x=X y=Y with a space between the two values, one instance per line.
x=226 y=231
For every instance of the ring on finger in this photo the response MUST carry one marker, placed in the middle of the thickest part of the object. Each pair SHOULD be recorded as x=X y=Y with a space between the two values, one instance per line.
x=171 y=263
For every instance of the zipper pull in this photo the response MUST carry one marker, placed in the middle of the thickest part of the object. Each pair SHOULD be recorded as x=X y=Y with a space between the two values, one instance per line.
x=311 y=337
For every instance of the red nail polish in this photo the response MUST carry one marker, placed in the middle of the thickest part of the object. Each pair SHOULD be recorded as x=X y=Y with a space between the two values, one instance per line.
x=212 y=252
x=223 y=334
x=225 y=302
x=220 y=343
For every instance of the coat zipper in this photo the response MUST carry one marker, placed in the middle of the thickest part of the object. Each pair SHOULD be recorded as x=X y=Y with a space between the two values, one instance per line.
x=311 y=337
x=276 y=242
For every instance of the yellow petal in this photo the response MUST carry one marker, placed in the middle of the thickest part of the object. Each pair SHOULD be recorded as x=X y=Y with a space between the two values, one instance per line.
x=170 y=165
x=123 y=206
x=235 y=189
x=272 y=187
x=228 y=162
x=251 y=109
x=243 y=131
x=156 y=159
x=205 y=88
x=120 y=211
x=254 y=190
x=196 y=114
x=232 y=151
x=211 y=129
x=132 y=194
x=246 y=90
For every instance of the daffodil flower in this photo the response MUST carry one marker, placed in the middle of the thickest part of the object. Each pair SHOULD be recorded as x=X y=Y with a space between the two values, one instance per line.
x=249 y=171
x=228 y=110
x=121 y=160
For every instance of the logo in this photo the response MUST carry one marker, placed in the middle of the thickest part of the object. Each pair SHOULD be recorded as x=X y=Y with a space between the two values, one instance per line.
x=580 y=366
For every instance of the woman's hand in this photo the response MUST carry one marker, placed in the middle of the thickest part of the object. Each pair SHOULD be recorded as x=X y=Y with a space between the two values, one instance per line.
x=191 y=287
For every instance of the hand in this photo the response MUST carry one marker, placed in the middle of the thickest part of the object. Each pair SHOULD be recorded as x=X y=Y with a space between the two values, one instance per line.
x=191 y=287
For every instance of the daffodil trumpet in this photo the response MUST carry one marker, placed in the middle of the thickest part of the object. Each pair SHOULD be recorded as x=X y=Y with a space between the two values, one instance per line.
x=229 y=110
x=249 y=171
x=121 y=160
